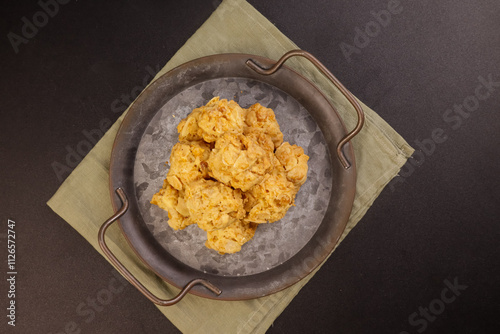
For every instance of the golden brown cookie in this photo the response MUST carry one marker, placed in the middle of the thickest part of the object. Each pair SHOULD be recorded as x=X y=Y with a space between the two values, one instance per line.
x=188 y=163
x=294 y=161
x=212 y=121
x=269 y=200
x=262 y=119
x=171 y=200
x=213 y=205
x=231 y=238
x=239 y=161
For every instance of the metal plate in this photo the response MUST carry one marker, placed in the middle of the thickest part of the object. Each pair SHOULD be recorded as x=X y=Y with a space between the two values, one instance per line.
x=281 y=253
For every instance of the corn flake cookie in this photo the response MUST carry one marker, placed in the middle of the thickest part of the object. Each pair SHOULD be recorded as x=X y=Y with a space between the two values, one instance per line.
x=170 y=200
x=213 y=205
x=230 y=239
x=230 y=172
x=239 y=161
x=188 y=163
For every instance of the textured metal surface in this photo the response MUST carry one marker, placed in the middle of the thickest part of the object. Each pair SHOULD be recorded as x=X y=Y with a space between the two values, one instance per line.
x=135 y=225
x=273 y=243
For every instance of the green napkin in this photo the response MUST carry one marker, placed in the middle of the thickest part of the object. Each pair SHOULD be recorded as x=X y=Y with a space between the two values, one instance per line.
x=83 y=200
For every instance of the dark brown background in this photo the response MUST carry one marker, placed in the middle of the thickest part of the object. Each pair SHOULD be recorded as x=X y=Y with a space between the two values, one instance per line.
x=441 y=223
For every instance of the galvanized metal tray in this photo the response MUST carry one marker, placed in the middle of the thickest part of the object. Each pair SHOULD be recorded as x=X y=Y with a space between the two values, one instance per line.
x=281 y=253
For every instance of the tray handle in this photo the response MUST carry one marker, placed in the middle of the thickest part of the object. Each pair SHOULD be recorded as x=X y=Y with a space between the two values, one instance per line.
x=124 y=271
x=301 y=53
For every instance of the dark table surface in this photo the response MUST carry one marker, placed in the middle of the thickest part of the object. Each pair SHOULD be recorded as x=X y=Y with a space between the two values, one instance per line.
x=426 y=256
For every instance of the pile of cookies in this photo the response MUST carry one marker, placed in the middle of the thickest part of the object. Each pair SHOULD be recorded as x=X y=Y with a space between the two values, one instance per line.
x=229 y=172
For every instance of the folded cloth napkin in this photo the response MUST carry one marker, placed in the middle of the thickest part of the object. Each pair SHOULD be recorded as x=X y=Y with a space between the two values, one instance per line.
x=83 y=200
